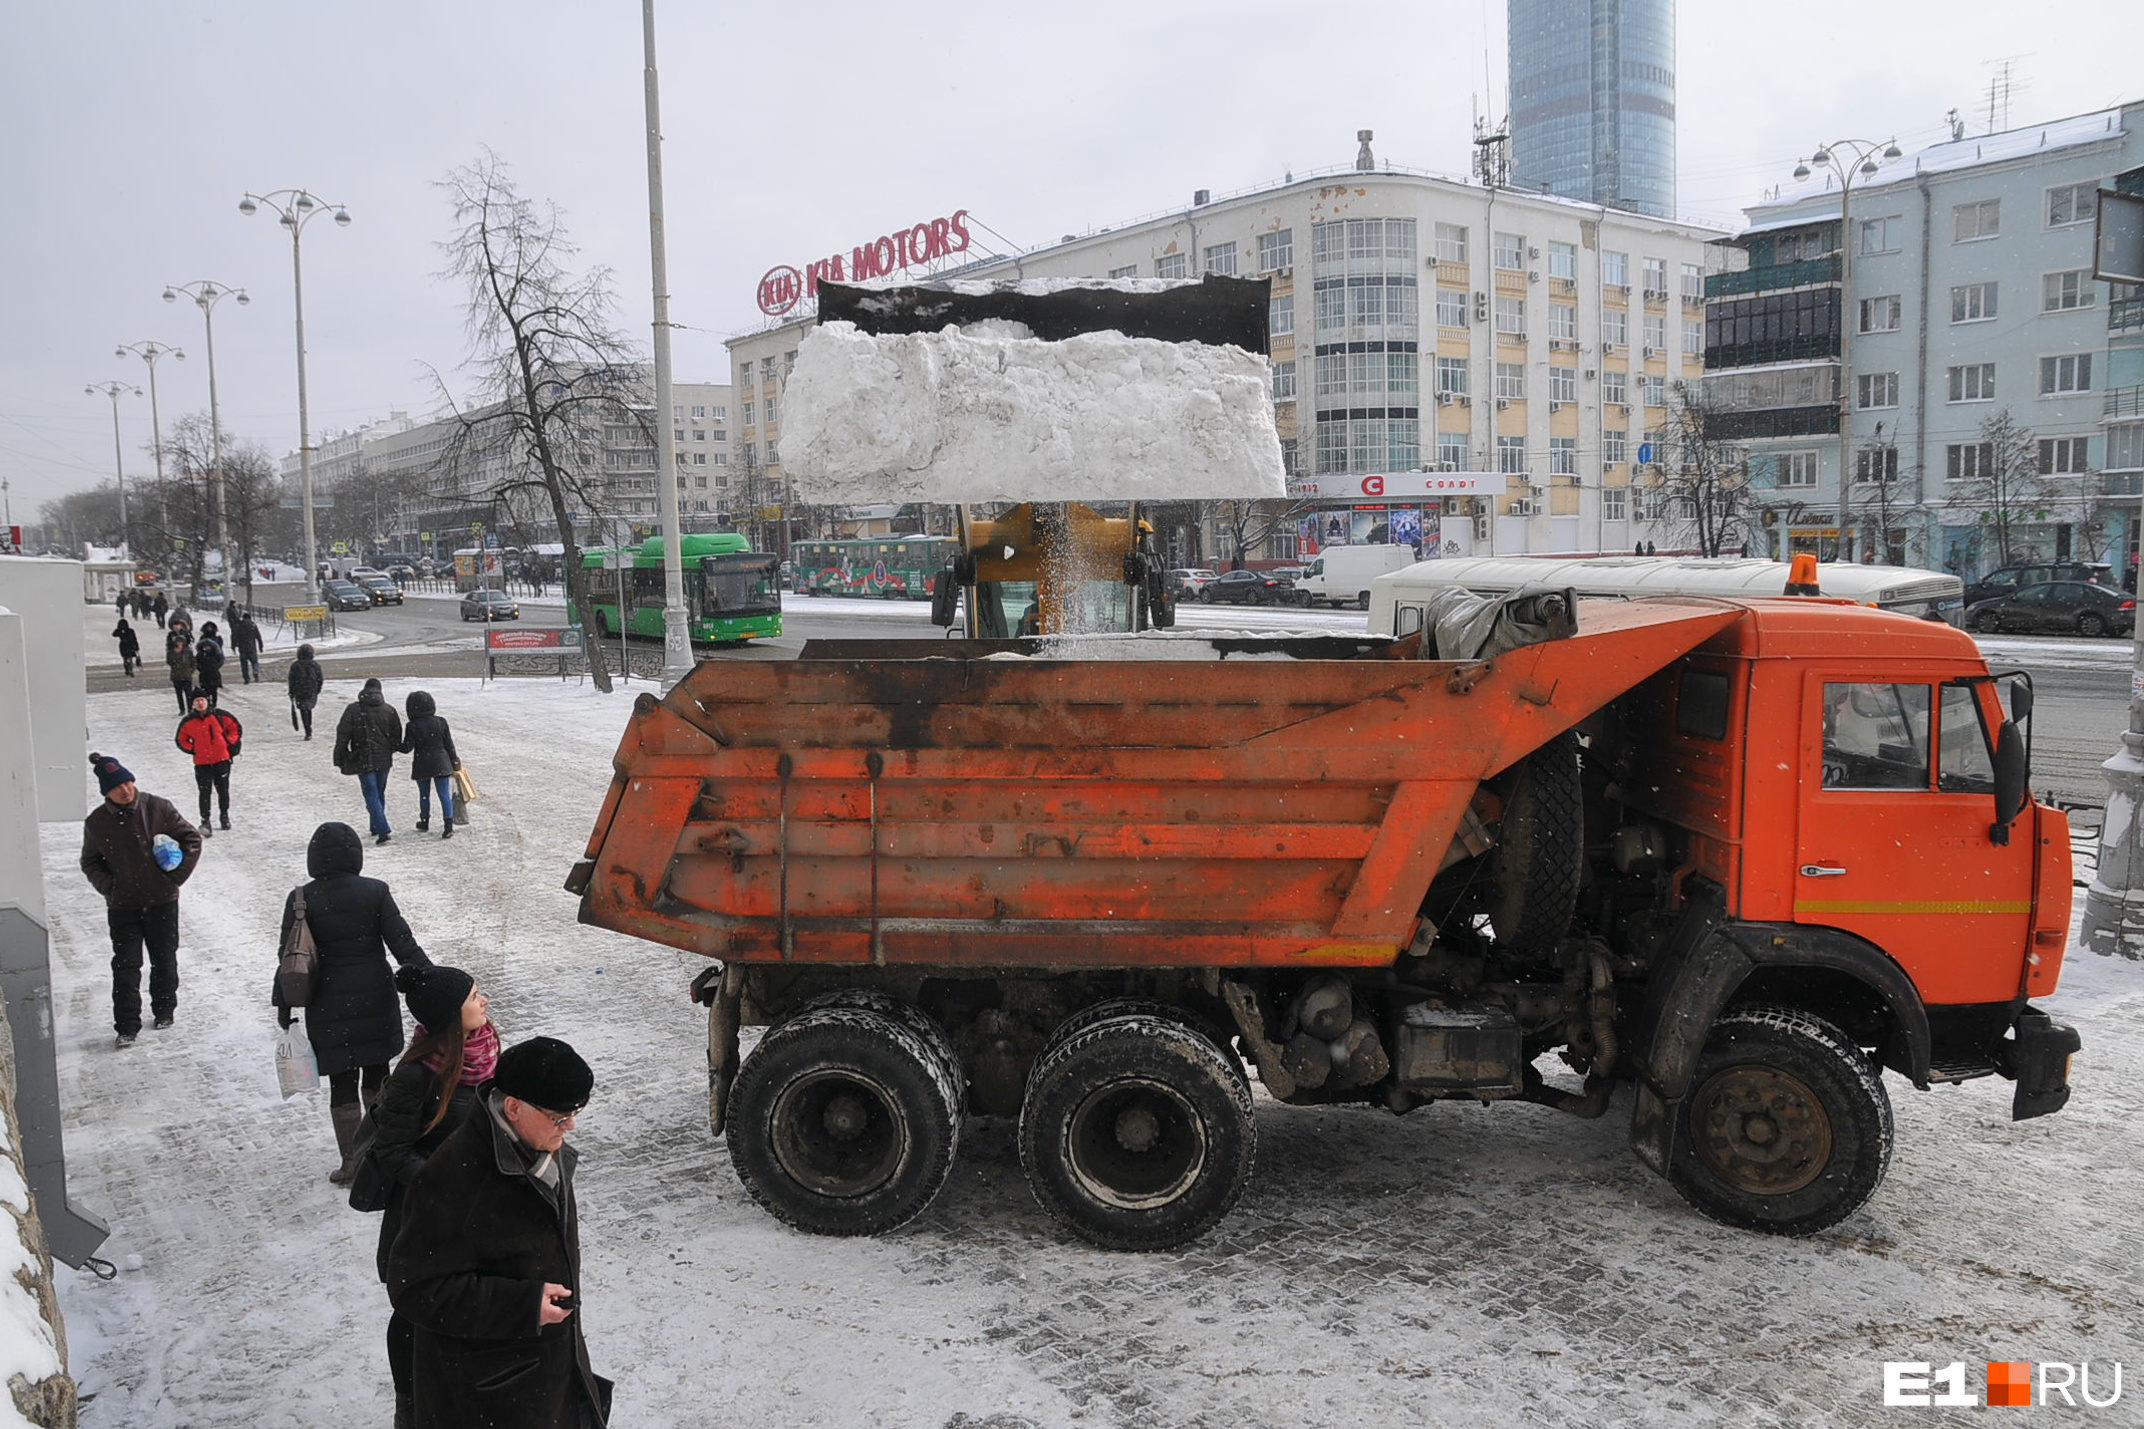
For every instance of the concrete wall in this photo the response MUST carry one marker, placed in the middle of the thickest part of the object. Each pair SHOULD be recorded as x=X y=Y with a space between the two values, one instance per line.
x=48 y=595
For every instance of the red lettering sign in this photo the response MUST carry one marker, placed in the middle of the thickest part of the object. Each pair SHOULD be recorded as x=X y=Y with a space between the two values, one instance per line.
x=783 y=288
x=780 y=290
x=1373 y=486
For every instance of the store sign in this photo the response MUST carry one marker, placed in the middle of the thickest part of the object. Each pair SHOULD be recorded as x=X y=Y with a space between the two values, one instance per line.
x=1379 y=485
x=528 y=639
x=784 y=287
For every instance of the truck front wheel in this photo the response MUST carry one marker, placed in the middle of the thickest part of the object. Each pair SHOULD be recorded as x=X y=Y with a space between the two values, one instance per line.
x=843 y=1121
x=1137 y=1133
x=1786 y=1129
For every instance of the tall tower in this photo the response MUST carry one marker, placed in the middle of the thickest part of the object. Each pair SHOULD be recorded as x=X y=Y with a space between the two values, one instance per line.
x=1593 y=100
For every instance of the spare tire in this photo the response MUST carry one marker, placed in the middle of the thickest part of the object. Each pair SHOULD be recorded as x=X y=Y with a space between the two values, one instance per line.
x=1535 y=868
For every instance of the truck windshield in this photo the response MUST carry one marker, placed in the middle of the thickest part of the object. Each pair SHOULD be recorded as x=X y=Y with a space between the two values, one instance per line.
x=1875 y=736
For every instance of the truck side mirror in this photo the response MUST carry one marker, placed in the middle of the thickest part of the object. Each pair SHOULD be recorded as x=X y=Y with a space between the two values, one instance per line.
x=2009 y=781
x=945 y=599
x=2020 y=700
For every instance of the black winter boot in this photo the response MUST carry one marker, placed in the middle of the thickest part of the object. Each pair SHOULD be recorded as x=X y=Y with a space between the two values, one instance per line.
x=424 y=825
x=448 y=832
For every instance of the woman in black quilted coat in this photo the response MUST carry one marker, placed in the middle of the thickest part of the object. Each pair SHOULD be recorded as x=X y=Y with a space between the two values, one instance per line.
x=428 y=738
x=354 y=1019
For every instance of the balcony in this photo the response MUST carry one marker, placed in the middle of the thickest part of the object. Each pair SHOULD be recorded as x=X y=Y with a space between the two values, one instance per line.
x=2122 y=483
x=2122 y=403
x=2125 y=314
x=1772 y=422
x=1779 y=275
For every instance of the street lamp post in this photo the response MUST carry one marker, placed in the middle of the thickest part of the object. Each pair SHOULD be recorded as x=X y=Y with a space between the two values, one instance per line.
x=296 y=208
x=119 y=466
x=1849 y=159
x=677 y=644
x=206 y=295
x=149 y=352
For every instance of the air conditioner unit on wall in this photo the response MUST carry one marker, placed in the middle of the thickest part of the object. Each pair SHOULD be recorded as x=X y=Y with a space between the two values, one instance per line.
x=1652 y=352
x=1481 y=528
x=1502 y=403
x=1465 y=400
x=1525 y=506
x=1555 y=406
x=1444 y=399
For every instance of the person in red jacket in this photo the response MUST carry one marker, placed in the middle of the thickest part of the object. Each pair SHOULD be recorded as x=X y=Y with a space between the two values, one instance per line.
x=212 y=738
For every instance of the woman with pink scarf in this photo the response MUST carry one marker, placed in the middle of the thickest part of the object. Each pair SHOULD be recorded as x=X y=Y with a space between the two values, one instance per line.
x=453 y=1048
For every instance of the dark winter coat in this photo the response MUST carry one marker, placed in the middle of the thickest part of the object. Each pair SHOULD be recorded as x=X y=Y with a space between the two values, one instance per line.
x=403 y=1141
x=179 y=656
x=481 y=1236
x=211 y=738
x=208 y=663
x=355 y=1019
x=304 y=680
x=246 y=635
x=129 y=642
x=118 y=857
x=368 y=734
x=158 y=606
x=428 y=738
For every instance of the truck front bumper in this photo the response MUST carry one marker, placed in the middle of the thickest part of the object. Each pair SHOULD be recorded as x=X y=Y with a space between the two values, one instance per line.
x=2037 y=1057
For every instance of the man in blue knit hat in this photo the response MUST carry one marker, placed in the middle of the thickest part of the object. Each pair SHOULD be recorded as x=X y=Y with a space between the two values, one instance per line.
x=140 y=885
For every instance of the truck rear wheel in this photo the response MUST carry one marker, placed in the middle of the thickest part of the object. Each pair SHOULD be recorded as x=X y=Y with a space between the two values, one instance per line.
x=1100 y=1012
x=1786 y=1128
x=914 y=1018
x=844 y=1121
x=1137 y=1133
x=1539 y=857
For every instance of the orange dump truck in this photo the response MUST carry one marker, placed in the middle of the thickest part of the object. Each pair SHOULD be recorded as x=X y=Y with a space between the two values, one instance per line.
x=1742 y=855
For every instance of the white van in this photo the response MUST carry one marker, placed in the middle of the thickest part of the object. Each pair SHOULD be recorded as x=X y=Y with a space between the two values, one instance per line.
x=1341 y=575
x=1399 y=599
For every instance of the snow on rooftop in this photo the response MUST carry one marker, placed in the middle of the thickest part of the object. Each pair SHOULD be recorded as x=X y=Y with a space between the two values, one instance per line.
x=968 y=416
x=2098 y=127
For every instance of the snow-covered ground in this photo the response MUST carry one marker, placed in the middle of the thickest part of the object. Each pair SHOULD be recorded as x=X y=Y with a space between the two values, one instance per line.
x=1461 y=1266
x=278 y=639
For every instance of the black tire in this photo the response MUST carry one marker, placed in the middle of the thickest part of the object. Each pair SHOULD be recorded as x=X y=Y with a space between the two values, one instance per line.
x=1362 y=600
x=1986 y=622
x=1536 y=866
x=1095 y=1013
x=842 y=1121
x=2091 y=624
x=910 y=1016
x=1137 y=1133
x=1302 y=598
x=1786 y=1128
x=1206 y=597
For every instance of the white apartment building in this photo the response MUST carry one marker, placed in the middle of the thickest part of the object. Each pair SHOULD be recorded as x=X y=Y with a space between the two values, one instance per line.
x=1417 y=321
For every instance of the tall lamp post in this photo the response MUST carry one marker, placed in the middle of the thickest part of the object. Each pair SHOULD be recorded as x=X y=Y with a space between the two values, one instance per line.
x=296 y=208
x=149 y=352
x=677 y=643
x=1849 y=159
x=206 y=295
x=114 y=390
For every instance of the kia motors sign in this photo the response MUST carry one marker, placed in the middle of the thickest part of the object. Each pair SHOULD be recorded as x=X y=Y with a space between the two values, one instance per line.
x=784 y=287
x=1379 y=486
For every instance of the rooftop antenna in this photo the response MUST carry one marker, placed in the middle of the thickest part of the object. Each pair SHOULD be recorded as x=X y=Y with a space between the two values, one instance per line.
x=1957 y=125
x=2003 y=86
x=1492 y=154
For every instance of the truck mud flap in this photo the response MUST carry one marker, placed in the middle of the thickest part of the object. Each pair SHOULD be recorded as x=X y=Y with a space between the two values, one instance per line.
x=2038 y=1059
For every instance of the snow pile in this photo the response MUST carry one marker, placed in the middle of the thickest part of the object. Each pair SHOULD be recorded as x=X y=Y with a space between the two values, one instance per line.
x=29 y=1345
x=964 y=416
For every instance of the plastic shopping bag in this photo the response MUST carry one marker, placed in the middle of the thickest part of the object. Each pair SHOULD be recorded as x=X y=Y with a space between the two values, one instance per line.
x=295 y=1070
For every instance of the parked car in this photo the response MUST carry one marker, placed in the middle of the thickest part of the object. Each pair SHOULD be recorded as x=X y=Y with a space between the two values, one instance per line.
x=344 y=595
x=1190 y=580
x=402 y=570
x=2011 y=579
x=382 y=590
x=1249 y=588
x=2057 y=608
x=489 y=605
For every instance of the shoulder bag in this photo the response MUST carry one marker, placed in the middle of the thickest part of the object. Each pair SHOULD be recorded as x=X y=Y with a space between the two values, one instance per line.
x=298 y=971
x=369 y=1184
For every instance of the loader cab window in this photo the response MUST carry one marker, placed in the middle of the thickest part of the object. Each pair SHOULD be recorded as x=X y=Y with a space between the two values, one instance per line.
x=1701 y=703
x=1963 y=763
x=1876 y=736
x=1406 y=620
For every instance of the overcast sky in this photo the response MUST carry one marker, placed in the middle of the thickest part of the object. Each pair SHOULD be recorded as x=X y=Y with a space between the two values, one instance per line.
x=792 y=131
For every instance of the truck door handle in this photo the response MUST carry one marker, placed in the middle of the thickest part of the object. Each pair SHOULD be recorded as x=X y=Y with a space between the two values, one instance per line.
x=1818 y=870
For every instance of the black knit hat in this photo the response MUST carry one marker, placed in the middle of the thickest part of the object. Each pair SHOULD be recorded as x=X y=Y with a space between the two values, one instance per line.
x=110 y=772
x=434 y=994
x=544 y=1072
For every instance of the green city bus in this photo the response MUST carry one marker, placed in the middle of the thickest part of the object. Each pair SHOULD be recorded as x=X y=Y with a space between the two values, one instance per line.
x=732 y=592
x=882 y=567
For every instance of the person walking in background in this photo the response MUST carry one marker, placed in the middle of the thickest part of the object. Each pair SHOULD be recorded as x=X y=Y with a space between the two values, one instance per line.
x=366 y=739
x=140 y=883
x=158 y=607
x=208 y=663
x=304 y=680
x=123 y=604
x=179 y=663
x=212 y=738
x=431 y=743
x=452 y=1050
x=129 y=645
x=352 y=1019
x=487 y=1267
x=246 y=636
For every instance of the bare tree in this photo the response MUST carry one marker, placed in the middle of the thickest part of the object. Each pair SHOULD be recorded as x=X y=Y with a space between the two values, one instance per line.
x=1245 y=525
x=1999 y=481
x=1881 y=493
x=1703 y=473
x=551 y=369
x=252 y=497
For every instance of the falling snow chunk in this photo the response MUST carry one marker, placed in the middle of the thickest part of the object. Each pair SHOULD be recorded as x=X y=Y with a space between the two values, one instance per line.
x=965 y=416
